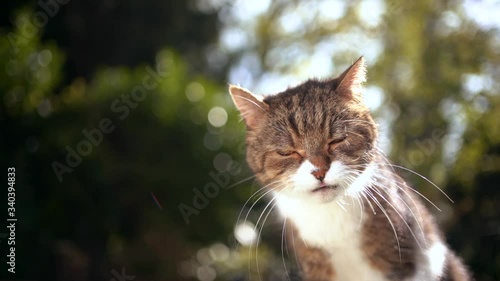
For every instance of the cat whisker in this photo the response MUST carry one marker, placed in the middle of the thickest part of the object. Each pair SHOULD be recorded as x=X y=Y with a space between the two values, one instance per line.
x=261 y=196
x=295 y=250
x=283 y=241
x=241 y=181
x=417 y=192
x=270 y=189
x=402 y=186
x=257 y=241
x=262 y=227
x=424 y=197
x=397 y=184
x=250 y=198
x=421 y=176
x=352 y=200
x=380 y=153
x=369 y=194
x=248 y=213
x=256 y=201
x=414 y=203
x=340 y=205
x=419 y=225
x=369 y=203
x=362 y=209
x=350 y=178
x=399 y=214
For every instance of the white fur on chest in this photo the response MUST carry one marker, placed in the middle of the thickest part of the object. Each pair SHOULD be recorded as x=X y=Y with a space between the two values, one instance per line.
x=336 y=227
x=333 y=228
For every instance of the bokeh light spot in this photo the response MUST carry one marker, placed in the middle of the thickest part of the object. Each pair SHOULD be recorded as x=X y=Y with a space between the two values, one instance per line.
x=245 y=233
x=44 y=108
x=45 y=57
x=219 y=252
x=217 y=116
x=195 y=91
x=203 y=257
x=221 y=160
x=206 y=273
x=212 y=141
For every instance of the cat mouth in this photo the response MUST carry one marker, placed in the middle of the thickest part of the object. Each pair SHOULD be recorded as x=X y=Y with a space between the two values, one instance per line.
x=324 y=188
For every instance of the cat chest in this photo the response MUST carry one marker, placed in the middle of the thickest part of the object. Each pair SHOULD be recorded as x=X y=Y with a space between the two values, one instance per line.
x=341 y=239
x=338 y=232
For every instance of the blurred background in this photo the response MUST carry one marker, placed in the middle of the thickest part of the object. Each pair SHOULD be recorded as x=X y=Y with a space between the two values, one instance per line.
x=129 y=154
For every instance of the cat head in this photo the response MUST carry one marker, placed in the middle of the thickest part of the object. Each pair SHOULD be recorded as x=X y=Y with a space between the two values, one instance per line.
x=310 y=141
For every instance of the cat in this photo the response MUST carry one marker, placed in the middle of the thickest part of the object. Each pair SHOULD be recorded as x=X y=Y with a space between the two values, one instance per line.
x=348 y=215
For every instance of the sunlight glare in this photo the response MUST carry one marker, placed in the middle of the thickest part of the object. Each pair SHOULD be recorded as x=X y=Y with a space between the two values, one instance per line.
x=245 y=234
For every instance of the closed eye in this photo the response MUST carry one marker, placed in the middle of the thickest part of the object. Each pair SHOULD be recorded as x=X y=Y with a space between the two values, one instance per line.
x=285 y=152
x=288 y=153
x=338 y=140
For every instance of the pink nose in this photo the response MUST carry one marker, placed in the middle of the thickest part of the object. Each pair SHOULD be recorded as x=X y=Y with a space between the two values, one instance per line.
x=321 y=165
x=319 y=174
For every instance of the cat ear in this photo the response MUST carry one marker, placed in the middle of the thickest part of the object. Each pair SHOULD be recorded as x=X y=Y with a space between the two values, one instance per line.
x=352 y=79
x=252 y=108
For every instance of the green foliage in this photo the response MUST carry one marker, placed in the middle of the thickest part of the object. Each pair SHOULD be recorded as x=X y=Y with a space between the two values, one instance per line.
x=100 y=213
x=436 y=71
x=32 y=69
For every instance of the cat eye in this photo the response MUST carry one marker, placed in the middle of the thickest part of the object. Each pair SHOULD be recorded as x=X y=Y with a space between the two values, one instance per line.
x=338 y=140
x=287 y=152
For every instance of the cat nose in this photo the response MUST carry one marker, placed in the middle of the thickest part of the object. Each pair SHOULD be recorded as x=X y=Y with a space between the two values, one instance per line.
x=321 y=165
x=319 y=174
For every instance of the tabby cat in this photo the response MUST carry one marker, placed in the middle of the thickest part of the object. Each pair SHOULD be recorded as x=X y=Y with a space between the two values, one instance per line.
x=349 y=216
